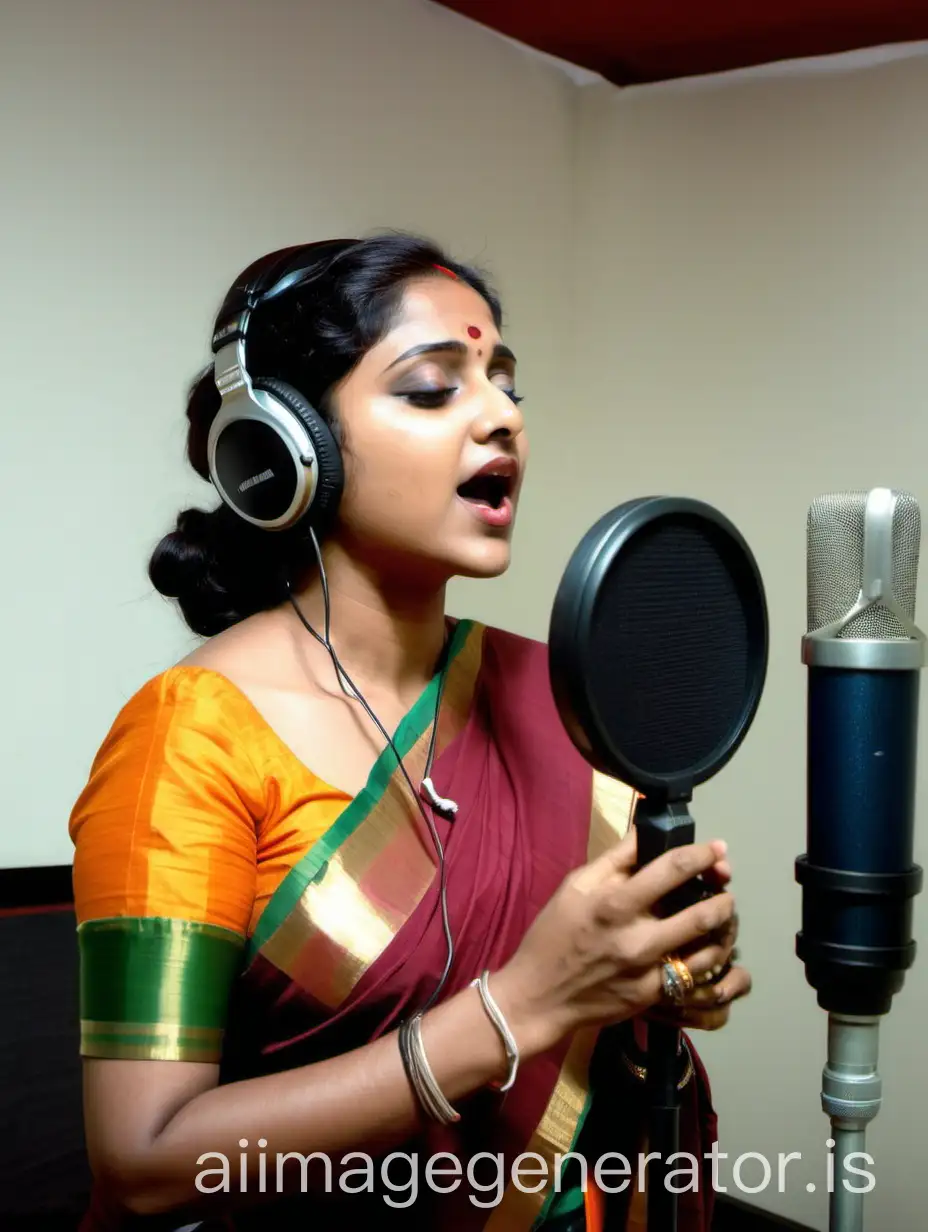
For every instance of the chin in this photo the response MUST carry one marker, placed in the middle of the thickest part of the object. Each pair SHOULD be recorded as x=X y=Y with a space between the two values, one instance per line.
x=488 y=560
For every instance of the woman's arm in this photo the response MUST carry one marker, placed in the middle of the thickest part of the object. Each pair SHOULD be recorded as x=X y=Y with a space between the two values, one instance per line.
x=591 y=957
x=149 y=1122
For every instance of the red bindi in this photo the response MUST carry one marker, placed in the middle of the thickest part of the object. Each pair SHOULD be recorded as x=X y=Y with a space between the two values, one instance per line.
x=473 y=331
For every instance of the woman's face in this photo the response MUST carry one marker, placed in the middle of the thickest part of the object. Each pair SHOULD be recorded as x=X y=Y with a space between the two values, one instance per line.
x=426 y=409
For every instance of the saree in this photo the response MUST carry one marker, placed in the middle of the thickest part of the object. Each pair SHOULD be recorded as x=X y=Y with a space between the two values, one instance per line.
x=351 y=941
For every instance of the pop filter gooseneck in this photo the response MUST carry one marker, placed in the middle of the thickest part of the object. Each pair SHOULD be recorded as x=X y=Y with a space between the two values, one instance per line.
x=658 y=646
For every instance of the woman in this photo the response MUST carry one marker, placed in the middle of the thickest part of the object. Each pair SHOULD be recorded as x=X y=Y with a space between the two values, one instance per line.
x=284 y=911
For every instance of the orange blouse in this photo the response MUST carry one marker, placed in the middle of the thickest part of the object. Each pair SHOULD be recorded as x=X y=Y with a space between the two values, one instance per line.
x=194 y=813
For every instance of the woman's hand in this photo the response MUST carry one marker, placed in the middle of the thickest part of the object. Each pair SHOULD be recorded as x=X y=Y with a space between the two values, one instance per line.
x=708 y=1006
x=593 y=955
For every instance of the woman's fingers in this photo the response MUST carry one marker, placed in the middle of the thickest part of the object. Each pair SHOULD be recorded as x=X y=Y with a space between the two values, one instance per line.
x=700 y=965
x=621 y=858
x=692 y=925
x=645 y=888
x=719 y=875
x=706 y=959
x=736 y=983
x=692 y=1018
x=725 y=938
x=708 y=1006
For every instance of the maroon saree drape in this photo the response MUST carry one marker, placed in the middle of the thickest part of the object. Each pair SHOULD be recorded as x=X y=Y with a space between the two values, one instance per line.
x=353 y=941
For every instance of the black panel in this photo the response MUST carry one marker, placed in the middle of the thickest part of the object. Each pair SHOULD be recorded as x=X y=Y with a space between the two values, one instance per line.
x=43 y=1168
x=35 y=887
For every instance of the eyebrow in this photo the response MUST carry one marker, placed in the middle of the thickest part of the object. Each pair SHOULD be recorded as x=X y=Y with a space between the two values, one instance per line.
x=452 y=347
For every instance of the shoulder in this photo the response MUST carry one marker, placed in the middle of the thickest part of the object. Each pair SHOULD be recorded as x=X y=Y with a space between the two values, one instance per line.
x=183 y=697
x=255 y=655
x=197 y=719
x=206 y=689
x=185 y=732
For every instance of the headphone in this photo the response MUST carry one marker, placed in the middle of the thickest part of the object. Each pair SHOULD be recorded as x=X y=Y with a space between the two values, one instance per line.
x=272 y=457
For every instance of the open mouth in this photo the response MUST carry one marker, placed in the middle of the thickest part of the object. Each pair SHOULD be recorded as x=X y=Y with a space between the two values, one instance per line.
x=489 y=490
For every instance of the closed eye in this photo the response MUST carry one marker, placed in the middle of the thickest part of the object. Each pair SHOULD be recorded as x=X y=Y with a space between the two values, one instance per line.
x=429 y=399
x=434 y=399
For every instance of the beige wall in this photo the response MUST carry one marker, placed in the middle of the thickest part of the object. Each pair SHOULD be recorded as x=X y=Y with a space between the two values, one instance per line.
x=717 y=288
x=751 y=312
x=149 y=153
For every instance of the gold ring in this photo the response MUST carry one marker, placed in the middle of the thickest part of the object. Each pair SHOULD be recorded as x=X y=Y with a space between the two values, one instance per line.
x=676 y=979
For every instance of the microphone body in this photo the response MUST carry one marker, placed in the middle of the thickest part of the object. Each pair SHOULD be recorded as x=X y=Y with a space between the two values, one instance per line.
x=864 y=654
x=863 y=729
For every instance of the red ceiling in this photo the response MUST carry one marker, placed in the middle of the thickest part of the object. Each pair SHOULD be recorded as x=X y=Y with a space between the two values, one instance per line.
x=654 y=40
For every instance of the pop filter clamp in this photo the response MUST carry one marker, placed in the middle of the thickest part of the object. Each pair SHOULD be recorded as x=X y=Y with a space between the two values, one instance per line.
x=658 y=647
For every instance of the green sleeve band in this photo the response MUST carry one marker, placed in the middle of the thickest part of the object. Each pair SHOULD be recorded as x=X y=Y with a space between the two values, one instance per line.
x=155 y=988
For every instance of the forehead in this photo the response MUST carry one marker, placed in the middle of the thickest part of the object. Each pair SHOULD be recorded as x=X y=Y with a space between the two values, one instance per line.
x=437 y=308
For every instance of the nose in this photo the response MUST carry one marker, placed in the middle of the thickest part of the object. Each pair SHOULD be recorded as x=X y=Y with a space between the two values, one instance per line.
x=498 y=417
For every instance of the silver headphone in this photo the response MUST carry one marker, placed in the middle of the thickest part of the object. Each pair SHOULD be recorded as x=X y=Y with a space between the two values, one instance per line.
x=272 y=458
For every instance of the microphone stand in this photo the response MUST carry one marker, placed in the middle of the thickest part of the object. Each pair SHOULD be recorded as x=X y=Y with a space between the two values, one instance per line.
x=661 y=825
x=851 y=1096
x=856 y=985
x=663 y=1124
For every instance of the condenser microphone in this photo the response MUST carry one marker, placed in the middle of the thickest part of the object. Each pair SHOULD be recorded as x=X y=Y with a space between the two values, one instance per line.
x=864 y=654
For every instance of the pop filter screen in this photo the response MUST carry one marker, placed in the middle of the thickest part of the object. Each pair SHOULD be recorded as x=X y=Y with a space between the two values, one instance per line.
x=658 y=644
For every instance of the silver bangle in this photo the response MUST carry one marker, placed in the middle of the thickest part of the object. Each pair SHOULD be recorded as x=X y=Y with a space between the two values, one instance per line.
x=493 y=1010
x=420 y=1074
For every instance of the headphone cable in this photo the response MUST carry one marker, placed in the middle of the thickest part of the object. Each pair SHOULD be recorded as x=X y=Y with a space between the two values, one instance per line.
x=343 y=678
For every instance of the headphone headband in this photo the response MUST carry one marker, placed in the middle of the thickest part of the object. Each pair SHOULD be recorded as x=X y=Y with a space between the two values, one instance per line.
x=265 y=279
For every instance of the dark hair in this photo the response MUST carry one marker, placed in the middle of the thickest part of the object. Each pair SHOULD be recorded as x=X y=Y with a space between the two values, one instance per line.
x=218 y=567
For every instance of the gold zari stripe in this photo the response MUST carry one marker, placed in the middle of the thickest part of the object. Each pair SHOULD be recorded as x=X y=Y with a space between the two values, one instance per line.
x=350 y=912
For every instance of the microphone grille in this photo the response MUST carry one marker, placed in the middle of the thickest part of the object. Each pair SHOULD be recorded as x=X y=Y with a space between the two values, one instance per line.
x=837 y=533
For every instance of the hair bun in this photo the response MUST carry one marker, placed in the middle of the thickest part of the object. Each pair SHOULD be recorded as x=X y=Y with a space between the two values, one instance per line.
x=182 y=559
x=186 y=565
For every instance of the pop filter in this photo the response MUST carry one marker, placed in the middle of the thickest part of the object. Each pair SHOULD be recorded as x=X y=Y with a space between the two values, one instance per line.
x=657 y=650
x=658 y=644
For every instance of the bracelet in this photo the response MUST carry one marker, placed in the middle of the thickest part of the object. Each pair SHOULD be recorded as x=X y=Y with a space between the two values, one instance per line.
x=512 y=1048
x=420 y=1075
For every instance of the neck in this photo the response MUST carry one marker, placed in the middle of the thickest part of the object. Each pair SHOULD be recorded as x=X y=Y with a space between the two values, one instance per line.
x=387 y=633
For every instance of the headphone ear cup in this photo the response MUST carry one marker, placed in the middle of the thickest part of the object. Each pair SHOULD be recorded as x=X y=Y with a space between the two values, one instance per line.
x=330 y=476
